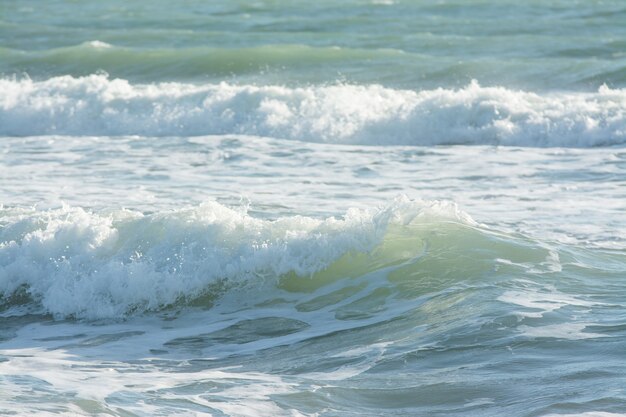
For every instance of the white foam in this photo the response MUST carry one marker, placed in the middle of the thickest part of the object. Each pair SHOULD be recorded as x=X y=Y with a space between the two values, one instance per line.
x=246 y=393
x=370 y=114
x=541 y=301
x=570 y=331
x=98 y=44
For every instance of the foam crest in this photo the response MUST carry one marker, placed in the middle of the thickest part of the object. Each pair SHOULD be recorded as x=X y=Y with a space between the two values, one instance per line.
x=76 y=263
x=350 y=114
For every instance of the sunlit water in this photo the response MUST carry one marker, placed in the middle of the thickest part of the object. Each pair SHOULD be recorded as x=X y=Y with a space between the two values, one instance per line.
x=385 y=208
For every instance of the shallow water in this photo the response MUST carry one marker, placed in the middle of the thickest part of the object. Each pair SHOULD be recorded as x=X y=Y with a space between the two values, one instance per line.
x=316 y=209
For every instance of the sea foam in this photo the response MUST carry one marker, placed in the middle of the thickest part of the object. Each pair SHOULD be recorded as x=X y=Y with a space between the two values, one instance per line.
x=348 y=114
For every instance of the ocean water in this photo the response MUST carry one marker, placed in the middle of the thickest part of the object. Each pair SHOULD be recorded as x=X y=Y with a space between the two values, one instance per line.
x=356 y=208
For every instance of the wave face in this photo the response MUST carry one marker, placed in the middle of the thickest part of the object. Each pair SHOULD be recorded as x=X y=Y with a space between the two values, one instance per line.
x=181 y=63
x=347 y=114
x=73 y=263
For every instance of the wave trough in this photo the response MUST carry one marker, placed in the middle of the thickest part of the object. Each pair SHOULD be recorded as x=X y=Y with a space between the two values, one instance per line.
x=347 y=114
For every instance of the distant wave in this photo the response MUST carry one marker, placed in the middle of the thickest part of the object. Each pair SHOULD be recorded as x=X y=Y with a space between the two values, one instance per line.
x=177 y=63
x=348 y=114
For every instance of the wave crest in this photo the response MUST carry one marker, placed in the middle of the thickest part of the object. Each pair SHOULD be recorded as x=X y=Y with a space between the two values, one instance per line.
x=349 y=114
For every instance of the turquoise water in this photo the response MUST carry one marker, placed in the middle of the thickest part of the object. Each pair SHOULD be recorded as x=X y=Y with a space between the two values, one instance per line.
x=372 y=208
x=405 y=44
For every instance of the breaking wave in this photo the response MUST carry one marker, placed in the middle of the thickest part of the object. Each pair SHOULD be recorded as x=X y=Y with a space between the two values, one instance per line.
x=347 y=114
x=74 y=263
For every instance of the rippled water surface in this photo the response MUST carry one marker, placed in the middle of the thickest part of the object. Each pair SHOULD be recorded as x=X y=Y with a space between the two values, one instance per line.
x=360 y=208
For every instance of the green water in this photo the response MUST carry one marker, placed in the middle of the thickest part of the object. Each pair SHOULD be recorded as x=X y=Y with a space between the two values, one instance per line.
x=408 y=44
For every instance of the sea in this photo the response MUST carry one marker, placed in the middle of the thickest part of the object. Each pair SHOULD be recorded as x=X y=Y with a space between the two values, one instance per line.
x=313 y=208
